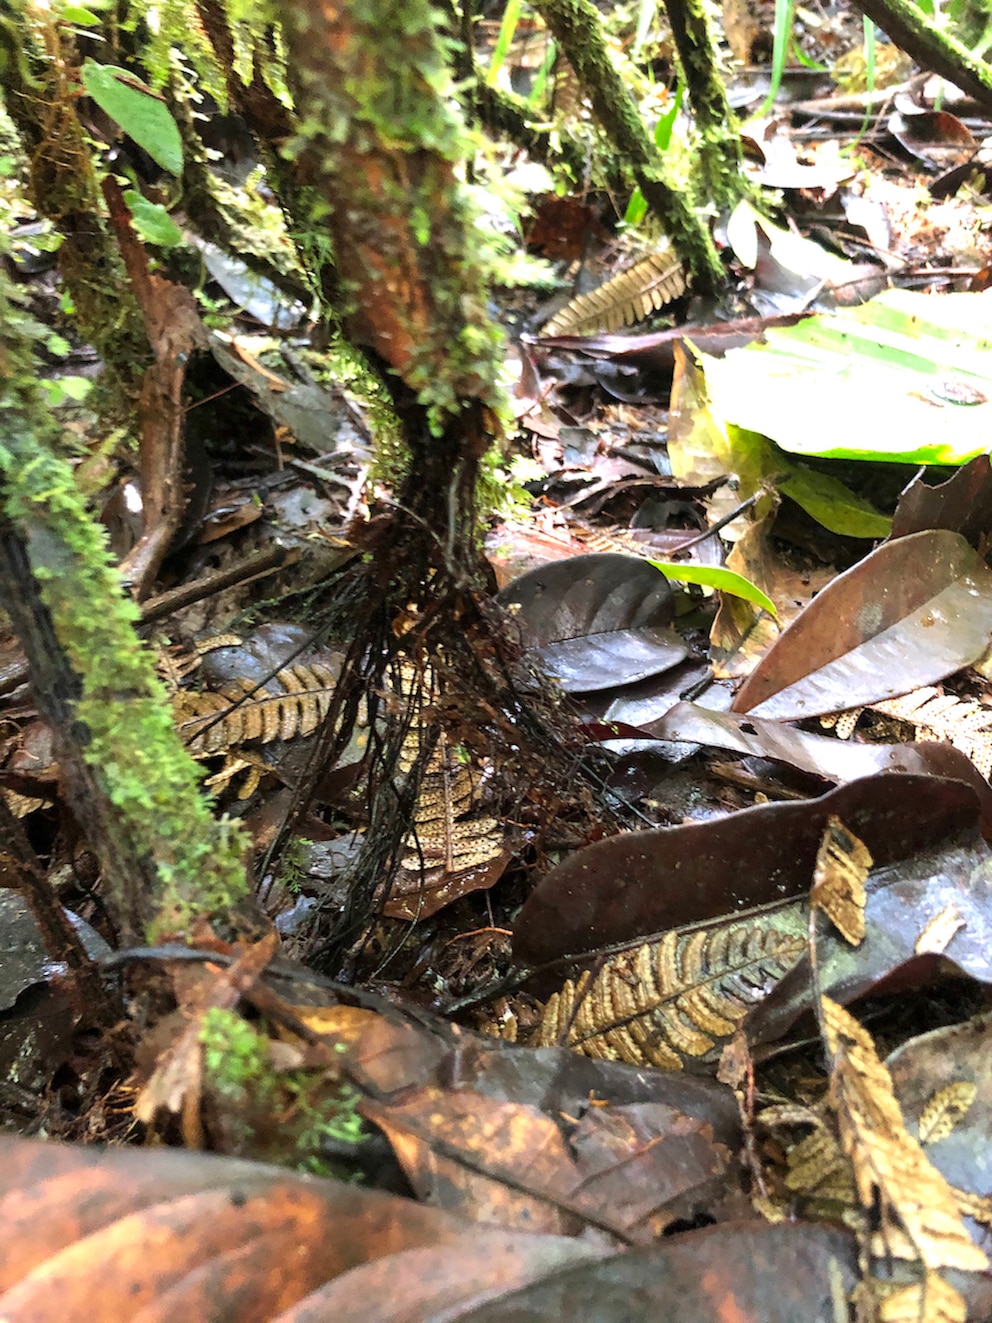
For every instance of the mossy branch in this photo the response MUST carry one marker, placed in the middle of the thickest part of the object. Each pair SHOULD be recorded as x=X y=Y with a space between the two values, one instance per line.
x=133 y=788
x=719 y=146
x=577 y=27
x=910 y=29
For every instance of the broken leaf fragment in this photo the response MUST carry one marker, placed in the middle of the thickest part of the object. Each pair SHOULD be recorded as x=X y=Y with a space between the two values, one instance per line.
x=843 y=863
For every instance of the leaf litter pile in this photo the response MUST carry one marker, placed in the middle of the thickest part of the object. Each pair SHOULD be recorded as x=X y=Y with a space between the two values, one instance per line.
x=697 y=1011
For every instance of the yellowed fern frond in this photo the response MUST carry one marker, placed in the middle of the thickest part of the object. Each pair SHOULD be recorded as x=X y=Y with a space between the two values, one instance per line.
x=945 y=1109
x=890 y=1168
x=842 y=867
x=629 y=297
x=212 y=723
x=675 y=998
x=818 y=1170
x=931 y=1301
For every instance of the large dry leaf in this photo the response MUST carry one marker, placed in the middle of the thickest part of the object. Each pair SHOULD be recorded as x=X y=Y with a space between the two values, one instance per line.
x=96 y=1236
x=962 y=503
x=497 y=1161
x=909 y=614
x=746 y=1273
x=596 y=621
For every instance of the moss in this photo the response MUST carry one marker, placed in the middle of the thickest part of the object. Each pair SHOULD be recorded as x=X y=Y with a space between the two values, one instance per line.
x=38 y=60
x=122 y=719
x=312 y=1106
x=379 y=128
x=235 y=1057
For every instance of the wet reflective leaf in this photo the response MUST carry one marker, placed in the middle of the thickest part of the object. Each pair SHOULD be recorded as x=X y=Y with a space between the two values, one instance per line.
x=910 y=613
x=748 y=1273
x=596 y=621
x=650 y=881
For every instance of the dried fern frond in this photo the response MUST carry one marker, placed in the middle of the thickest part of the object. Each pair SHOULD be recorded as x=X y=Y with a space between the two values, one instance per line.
x=842 y=867
x=931 y=1301
x=629 y=297
x=890 y=1168
x=818 y=1169
x=675 y=998
x=936 y=716
x=212 y=723
x=945 y=1109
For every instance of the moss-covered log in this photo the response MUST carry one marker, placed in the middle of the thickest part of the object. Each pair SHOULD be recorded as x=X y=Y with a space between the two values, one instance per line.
x=38 y=64
x=907 y=25
x=133 y=789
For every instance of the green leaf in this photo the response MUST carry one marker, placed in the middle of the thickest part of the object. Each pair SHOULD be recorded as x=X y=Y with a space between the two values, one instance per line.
x=832 y=503
x=715 y=576
x=79 y=16
x=58 y=345
x=141 y=114
x=906 y=377
x=152 y=221
x=76 y=388
x=59 y=389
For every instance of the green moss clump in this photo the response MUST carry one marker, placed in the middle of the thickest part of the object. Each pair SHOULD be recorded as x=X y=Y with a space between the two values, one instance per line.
x=286 y=1117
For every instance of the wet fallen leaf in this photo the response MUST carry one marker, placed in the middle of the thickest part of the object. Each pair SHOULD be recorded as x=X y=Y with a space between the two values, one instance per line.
x=94 y=1235
x=596 y=621
x=647 y=882
x=910 y=613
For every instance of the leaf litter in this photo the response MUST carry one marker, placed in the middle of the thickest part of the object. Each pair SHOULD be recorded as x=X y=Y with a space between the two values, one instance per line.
x=547 y=1180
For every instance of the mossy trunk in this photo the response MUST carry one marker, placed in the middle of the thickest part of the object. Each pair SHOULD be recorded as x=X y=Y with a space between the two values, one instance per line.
x=165 y=861
x=380 y=139
x=718 y=143
x=38 y=64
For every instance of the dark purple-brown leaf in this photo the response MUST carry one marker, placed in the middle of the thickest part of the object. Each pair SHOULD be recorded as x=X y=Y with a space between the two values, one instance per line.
x=596 y=621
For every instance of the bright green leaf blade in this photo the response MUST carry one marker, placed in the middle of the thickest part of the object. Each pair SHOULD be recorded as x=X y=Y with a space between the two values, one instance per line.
x=715 y=576
x=832 y=503
x=75 y=388
x=152 y=221
x=507 y=28
x=139 y=112
x=906 y=377
x=79 y=15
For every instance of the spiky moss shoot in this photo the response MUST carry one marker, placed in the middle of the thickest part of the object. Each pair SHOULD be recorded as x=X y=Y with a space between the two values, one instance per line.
x=283 y=1116
x=122 y=718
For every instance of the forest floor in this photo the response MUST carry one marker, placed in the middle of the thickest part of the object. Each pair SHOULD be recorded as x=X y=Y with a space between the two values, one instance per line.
x=593 y=1039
